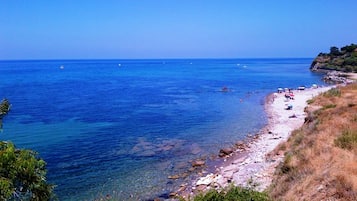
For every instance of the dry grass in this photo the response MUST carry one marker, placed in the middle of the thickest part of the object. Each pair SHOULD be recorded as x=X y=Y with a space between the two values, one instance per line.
x=321 y=157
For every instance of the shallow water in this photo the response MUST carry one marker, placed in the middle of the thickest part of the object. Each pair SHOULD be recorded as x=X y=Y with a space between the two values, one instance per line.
x=121 y=127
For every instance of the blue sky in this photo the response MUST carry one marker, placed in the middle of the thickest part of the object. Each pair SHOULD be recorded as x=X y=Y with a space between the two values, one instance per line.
x=119 y=29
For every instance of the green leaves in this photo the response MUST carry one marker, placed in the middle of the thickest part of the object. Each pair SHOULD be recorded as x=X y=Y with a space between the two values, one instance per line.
x=232 y=193
x=344 y=59
x=22 y=174
x=4 y=107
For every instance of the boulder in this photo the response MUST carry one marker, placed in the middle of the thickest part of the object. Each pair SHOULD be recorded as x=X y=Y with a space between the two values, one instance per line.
x=225 y=151
x=207 y=180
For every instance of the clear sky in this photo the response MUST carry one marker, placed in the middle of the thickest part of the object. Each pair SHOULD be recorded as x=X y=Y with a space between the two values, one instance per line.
x=127 y=29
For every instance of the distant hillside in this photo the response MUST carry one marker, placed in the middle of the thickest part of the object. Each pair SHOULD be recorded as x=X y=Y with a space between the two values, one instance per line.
x=344 y=59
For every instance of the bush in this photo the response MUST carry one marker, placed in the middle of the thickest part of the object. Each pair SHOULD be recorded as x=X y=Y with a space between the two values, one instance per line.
x=233 y=194
x=348 y=139
x=328 y=106
x=4 y=107
x=22 y=175
x=332 y=92
x=310 y=101
x=351 y=61
x=349 y=48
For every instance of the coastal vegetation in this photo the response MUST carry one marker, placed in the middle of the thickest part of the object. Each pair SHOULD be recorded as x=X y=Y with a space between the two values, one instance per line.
x=339 y=59
x=22 y=172
x=320 y=157
x=233 y=193
x=4 y=109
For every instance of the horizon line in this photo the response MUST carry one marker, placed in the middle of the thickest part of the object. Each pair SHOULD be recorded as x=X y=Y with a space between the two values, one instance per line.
x=197 y=58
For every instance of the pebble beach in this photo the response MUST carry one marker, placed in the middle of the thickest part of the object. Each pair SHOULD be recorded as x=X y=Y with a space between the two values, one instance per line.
x=251 y=164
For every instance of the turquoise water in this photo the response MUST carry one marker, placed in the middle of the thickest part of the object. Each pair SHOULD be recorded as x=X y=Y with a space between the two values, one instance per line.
x=121 y=127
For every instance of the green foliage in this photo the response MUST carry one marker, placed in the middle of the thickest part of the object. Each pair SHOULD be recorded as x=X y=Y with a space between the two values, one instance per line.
x=351 y=61
x=344 y=60
x=328 y=106
x=4 y=107
x=310 y=101
x=349 y=48
x=335 y=51
x=22 y=175
x=233 y=194
x=348 y=139
x=332 y=92
x=285 y=166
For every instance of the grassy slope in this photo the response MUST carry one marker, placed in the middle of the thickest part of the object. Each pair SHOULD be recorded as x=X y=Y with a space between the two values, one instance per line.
x=321 y=157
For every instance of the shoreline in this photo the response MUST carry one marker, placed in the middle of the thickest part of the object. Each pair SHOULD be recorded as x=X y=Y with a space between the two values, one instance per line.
x=250 y=164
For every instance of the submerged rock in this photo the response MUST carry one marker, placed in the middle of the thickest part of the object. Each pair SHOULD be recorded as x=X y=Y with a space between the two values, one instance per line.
x=198 y=163
x=225 y=151
x=174 y=177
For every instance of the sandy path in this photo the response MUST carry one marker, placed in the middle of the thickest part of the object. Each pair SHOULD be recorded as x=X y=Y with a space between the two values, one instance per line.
x=252 y=163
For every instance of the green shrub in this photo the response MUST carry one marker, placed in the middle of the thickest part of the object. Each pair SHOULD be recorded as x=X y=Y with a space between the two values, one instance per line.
x=212 y=195
x=329 y=106
x=351 y=61
x=310 y=101
x=332 y=92
x=233 y=194
x=348 y=139
x=4 y=107
x=22 y=175
x=349 y=48
x=286 y=167
x=298 y=139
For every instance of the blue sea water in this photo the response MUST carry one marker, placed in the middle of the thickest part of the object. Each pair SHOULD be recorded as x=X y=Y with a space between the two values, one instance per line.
x=121 y=127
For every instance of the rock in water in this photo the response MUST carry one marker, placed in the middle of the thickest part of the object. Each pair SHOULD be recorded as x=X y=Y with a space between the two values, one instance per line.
x=225 y=151
x=198 y=163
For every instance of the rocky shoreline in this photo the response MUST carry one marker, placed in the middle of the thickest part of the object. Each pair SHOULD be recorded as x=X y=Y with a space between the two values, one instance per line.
x=337 y=77
x=249 y=163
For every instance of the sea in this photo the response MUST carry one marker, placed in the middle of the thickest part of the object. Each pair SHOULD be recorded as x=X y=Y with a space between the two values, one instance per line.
x=119 y=128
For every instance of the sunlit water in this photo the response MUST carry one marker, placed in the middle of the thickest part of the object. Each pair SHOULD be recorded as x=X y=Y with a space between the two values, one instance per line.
x=121 y=127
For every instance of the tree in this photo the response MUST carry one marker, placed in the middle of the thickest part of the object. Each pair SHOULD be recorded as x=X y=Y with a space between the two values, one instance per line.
x=349 y=48
x=334 y=51
x=22 y=175
x=22 y=172
x=4 y=107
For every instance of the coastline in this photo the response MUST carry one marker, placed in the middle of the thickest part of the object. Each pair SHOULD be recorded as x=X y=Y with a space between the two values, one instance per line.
x=251 y=164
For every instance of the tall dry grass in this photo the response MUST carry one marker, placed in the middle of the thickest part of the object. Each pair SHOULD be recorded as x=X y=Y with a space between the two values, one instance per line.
x=321 y=157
